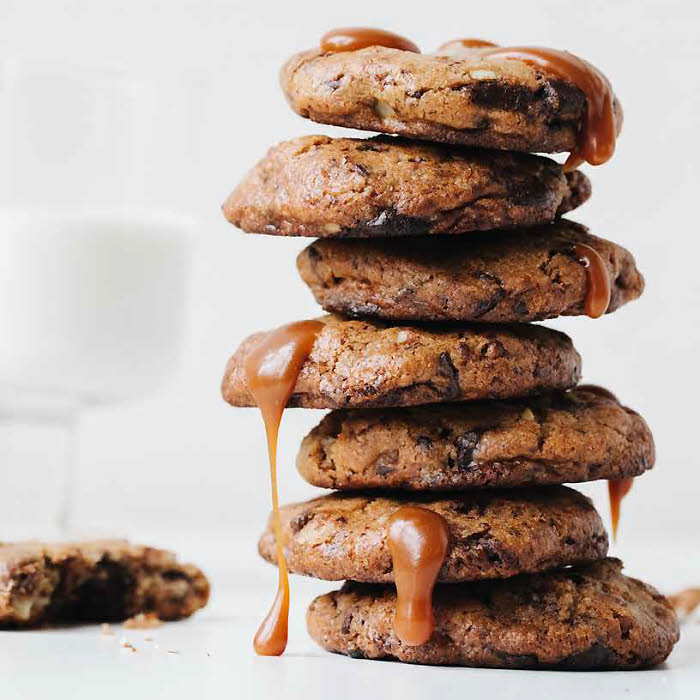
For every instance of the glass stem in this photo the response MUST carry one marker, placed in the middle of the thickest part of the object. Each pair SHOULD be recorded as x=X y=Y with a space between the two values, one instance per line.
x=64 y=514
x=38 y=461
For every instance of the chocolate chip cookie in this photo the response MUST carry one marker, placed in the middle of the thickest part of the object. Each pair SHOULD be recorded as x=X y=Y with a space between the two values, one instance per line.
x=97 y=581
x=357 y=363
x=562 y=437
x=469 y=98
x=588 y=617
x=323 y=187
x=524 y=275
x=493 y=534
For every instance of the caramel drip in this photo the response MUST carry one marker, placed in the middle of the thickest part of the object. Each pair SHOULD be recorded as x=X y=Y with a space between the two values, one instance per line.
x=617 y=490
x=418 y=539
x=355 y=38
x=598 y=291
x=466 y=44
x=685 y=602
x=596 y=143
x=271 y=371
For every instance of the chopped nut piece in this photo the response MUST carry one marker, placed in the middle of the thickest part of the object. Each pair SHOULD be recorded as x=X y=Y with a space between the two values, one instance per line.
x=383 y=109
x=482 y=74
x=528 y=414
x=143 y=621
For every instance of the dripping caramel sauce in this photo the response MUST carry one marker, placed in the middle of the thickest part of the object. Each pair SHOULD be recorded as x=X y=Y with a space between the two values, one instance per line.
x=418 y=539
x=271 y=371
x=685 y=602
x=356 y=38
x=598 y=283
x=596 y=142
x=617 y=490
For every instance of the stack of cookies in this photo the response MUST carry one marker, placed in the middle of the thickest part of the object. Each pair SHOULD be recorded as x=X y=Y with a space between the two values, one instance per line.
x=455 y=420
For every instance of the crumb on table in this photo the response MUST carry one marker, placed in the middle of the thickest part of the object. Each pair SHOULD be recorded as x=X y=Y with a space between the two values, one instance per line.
x=143 y=621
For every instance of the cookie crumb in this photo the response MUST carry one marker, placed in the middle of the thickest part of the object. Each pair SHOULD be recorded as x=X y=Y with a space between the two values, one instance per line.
x=128 y=645
x=106 y=630
x=143 y=621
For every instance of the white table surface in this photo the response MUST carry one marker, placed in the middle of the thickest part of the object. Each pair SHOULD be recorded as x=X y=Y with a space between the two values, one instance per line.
x=211 y=656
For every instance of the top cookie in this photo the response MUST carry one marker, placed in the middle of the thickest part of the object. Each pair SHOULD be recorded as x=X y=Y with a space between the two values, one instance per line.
x=384 y=186
x=469 y=98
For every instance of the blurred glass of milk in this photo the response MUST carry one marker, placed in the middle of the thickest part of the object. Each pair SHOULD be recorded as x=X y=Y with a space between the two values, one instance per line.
x=94 y=263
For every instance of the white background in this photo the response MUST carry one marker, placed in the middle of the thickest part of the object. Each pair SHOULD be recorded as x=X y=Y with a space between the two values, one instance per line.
x=185 y=458
x=185 y=463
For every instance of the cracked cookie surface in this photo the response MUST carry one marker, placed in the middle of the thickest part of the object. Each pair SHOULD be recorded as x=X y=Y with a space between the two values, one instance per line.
x=95 y=581
x=470 y=99
x=493 y=534
x=562 y=437
x=497 y=276
x=356 y=363
x=324 y=187
x=588 y=617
